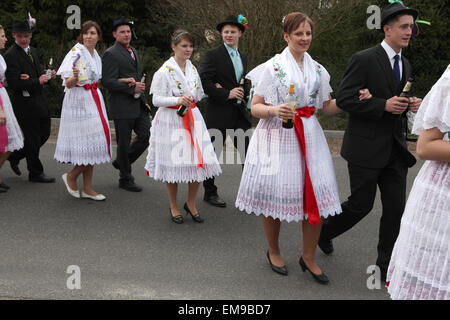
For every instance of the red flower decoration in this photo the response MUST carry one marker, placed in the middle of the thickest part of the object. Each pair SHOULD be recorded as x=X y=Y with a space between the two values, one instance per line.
x=276 y=69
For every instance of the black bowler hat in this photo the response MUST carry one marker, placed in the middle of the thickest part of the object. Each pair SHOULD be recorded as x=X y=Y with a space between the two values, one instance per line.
x=122 y=21
x=231 y=20
x=395 y=9
x=21 y=27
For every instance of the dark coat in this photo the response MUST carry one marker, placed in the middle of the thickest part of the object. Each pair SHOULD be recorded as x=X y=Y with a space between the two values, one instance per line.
x=372 y=132
x=117 y=63
x=222 y=113
x=18 y=62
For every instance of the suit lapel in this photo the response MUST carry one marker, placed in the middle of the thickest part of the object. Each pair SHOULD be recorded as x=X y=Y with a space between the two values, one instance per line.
x=24 y=55
x=123 y=51
x=244 y=61
x=385 y=65
x=228 y=63
x=406 y=70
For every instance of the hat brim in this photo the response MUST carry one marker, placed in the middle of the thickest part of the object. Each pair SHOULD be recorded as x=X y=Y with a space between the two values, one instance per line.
x=122 y=24
x=408 y=11
x=221 y=25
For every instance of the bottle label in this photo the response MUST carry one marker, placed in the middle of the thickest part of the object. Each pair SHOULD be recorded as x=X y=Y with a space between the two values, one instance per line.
x=407 y=87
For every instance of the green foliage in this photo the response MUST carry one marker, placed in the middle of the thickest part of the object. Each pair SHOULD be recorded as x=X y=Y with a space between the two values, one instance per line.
x=54 y=39
x=340 y=30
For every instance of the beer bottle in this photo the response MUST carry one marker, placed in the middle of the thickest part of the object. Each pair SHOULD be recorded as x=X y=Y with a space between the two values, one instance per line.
x=290 y=100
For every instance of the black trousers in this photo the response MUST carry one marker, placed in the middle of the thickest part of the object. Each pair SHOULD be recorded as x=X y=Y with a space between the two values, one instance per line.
x=36 y=132
x=363 y=184
x=208 y=184
x=128 y=153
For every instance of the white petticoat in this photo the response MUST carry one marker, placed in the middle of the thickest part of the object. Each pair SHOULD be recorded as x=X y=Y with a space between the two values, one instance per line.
x=171 y=156
x=420 y=263
x=15 y=140
x=273 y=178
x=81 y=137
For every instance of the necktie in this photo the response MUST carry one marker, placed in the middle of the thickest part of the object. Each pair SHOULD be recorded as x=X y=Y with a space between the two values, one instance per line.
x=29 y=54
x=131 y=53
x=237 y=64
x=397 y=68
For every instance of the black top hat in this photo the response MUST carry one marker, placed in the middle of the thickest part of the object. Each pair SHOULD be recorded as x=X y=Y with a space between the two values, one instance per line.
x=230 y=20
x=120 y=22
x=21 y=27
x=395 y=9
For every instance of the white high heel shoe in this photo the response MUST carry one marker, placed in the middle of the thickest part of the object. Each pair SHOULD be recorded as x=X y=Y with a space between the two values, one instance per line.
x=73 y=193
x=98 y=197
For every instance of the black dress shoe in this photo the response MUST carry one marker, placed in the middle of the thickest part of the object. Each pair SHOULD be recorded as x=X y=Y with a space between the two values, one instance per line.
x=115 y=164
x=326 y=246
x=130 y=186
x=215 y=200
x=42 y=178
x=177 y=219
x=196 y=218
x=3 y=190
x=280 y=270
x=15 y=167
x=4 y=186
x=320 y=278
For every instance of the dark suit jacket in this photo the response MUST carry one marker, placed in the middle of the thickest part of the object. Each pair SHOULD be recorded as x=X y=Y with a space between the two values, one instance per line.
x=117 y=63
x=217 y=67
x=371 y=131
x=18 y=62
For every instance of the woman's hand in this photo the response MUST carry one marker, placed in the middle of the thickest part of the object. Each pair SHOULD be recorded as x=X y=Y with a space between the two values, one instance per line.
x=284 y=111
x=185 y=101
x=364 y=94
x=2 y=118
x=76 y=72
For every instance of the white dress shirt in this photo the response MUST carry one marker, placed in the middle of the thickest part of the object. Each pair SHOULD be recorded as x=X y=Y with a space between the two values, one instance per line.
x=391 y=54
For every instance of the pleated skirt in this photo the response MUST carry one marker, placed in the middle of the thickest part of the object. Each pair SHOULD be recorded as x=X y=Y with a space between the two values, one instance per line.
x=273 y=179
x=420 y=263
x=171 y=156
x=81 y=137
x=15 y=139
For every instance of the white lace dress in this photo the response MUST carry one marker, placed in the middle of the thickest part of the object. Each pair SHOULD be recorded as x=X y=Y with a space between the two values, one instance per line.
x=82 y=138
x=273 y=179
x=420 y=263
x=15 y=140
x=171 y=156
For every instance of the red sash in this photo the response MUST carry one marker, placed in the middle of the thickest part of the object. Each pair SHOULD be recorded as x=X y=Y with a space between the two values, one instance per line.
x=3 y=131
x=93 y=88
x=187 y=127
x=309 y=198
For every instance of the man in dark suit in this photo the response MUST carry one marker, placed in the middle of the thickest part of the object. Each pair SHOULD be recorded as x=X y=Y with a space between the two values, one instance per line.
x=221 y=71
x=26 y=79
x=374 y=143
x=127 y=104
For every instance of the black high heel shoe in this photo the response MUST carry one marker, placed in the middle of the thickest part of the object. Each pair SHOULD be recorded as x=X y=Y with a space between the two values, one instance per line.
x=177 y=219
x=196 y=218
x=4 y=186
x=280 y=270
x=321 y=278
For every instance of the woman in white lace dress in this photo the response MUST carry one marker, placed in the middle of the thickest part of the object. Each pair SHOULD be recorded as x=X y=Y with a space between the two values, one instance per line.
x=84 y=137
x=10 y=134
x=277 y=182
x=180 y=148
x=420 y=263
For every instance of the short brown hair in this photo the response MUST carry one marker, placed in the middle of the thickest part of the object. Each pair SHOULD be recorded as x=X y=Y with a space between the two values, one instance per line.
x=294 y=19
x=86 y=26
x=181 y=34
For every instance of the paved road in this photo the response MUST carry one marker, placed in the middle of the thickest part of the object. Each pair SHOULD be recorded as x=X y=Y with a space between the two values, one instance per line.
x=127 y=247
